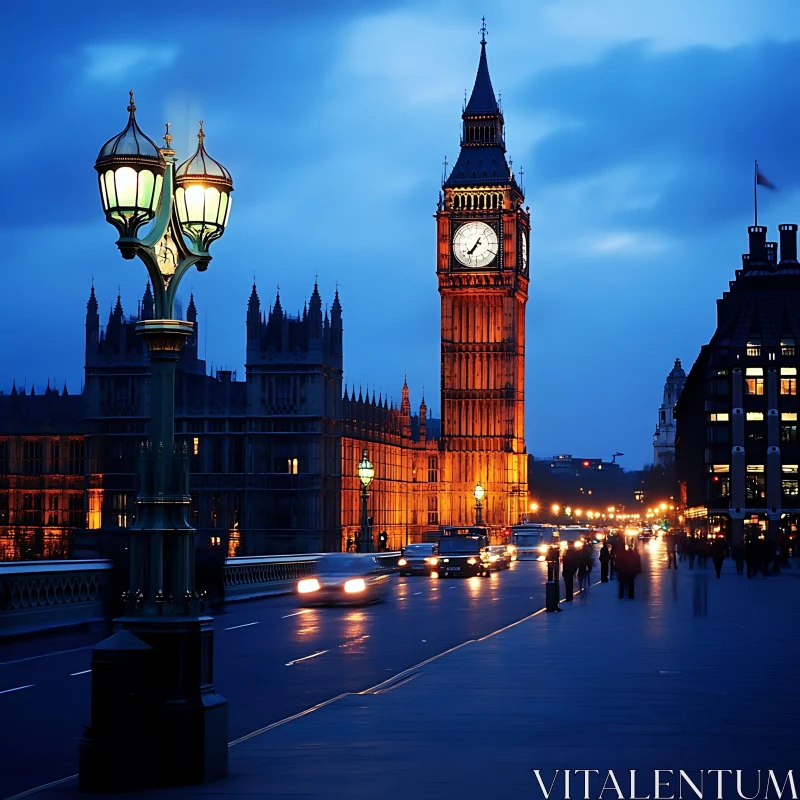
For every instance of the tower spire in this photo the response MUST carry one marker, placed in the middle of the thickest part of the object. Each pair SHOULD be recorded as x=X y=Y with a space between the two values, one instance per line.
x=482 y=159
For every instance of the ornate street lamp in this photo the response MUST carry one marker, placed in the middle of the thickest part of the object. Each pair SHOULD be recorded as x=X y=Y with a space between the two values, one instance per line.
x=366 y=472
x=188 y=207
x=478 y=494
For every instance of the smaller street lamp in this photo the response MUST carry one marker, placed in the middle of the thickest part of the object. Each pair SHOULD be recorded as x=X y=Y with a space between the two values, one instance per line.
x=366 y=472
x=479 y=494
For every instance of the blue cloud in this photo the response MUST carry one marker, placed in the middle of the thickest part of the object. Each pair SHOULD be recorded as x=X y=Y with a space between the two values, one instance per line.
x=705 y=113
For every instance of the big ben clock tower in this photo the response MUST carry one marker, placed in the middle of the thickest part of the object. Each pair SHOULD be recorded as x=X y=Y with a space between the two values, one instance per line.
x=482 y=267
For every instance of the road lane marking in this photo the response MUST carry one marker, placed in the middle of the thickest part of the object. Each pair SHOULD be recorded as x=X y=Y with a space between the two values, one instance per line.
x=284 y=721
x=36 y=789
x=417 y=593
x=82 y=672
x=45 y=655
x=302 y=611
x=246 y=625
x=18 y=688
x=305 y=658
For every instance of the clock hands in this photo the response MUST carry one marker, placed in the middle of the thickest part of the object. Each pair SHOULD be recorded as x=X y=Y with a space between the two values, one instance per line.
x=470 y=252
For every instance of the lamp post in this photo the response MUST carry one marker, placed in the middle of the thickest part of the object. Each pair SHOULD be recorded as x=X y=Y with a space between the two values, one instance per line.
x=478 y=494
x=186 y=737
x=366 y=472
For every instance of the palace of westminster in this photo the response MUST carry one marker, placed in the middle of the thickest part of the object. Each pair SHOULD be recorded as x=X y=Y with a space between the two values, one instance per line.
x=274 y=457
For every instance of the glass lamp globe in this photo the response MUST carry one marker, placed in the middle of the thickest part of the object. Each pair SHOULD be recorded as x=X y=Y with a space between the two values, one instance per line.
x=366 y=472
x=130 y=169
x=479 y=493
x=203 y=196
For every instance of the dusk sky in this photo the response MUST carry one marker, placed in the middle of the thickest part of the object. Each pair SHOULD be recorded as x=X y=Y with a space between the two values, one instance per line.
x=636 y=124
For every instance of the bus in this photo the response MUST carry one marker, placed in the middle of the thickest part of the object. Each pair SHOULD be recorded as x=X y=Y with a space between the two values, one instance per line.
x=444 y=531
x=528 y=537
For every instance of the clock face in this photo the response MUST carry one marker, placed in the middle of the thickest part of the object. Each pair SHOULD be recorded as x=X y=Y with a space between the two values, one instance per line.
x=475 y=244
x=524 y=246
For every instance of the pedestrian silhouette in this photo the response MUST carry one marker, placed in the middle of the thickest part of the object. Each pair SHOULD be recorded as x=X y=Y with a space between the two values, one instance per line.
x=718 y=549
x=569 y=566
x=672 y=548
x=604 y=558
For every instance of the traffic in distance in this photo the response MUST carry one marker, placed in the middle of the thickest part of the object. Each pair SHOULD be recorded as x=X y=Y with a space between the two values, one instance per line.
x=449 y=552
x=532 y=541
x=360 y=579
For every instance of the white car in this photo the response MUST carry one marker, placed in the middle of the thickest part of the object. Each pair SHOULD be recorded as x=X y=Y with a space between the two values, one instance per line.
x=344 y=579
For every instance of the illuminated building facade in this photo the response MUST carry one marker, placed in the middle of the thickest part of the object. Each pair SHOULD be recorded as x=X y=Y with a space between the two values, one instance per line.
x=737 y=451
x=664 y=437
x=482 y=268
x=274 y=457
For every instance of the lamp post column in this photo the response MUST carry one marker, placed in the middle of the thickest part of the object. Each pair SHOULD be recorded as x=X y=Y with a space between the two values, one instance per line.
x=156 y=718
x=366 y=472
x=366 y=543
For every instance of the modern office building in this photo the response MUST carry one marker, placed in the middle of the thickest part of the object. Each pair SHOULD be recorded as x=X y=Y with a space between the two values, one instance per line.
x=737 y=452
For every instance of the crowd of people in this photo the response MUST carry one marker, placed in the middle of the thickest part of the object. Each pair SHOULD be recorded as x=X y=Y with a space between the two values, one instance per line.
x=619 y=561
x=757 y=552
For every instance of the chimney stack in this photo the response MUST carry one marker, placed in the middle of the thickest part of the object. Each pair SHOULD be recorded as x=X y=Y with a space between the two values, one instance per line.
x=772 y=255
x=758 y=246
x=788 y=235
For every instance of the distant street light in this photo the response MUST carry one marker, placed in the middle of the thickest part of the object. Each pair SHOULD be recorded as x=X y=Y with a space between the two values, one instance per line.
x=478 y=494
x=366 y=472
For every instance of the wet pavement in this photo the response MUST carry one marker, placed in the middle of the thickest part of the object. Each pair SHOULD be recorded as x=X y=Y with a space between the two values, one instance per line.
x=695 y=674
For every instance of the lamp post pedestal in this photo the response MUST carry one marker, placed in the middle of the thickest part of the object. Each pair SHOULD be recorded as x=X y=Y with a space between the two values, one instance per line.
x=478 y=514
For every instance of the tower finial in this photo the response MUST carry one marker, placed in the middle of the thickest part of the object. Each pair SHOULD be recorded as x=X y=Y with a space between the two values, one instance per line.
x=131 y=105
x=483 y=30
x=168 y=137
x=200 y=134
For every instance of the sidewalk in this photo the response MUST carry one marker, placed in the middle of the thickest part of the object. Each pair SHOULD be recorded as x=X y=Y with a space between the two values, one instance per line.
x=695 y=674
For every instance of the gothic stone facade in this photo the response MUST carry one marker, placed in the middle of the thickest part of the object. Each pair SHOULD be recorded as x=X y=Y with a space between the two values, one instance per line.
x=274 y=457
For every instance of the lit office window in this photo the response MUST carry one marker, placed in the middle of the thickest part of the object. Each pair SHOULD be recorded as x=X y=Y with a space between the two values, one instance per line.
x=789 y=416
x=788 y=385
x=754 y=386
x=755 y=416
x=720 y=417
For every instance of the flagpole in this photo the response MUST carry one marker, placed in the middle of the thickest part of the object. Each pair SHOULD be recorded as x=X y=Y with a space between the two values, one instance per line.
x=755 y=192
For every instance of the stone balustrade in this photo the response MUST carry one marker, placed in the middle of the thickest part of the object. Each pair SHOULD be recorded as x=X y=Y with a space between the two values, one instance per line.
x=40 y=595
x=43 y=595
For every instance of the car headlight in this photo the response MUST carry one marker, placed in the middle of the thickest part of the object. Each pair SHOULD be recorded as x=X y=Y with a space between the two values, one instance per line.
x=432 y=560
x=446 y=560
x=355 y=585
x=493 y=558
x=472 y=561
x=401 y=562
x=308 y=585
x=543 y=548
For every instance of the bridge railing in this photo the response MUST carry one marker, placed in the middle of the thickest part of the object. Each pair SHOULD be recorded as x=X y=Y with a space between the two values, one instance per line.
x=40 y=595
x=43 y=595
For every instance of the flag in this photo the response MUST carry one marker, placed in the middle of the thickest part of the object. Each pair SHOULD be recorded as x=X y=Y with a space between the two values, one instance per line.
x=762 y=181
